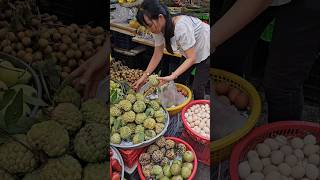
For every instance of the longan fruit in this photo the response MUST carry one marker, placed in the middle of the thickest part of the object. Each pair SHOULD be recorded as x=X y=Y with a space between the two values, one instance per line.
x=63 y=47
x=56 y=36
x=70 y=53
x=48 y=50
x=74 y=46
x=64 y=75
x=77 y=54
x=28 y=57
x=72 y=63
x=21 y=54
x=26 y=41
x=37 y=56
x=66 y=39
x=29 y=50
x=43 y=43
x=7 y=49
x=66 y=69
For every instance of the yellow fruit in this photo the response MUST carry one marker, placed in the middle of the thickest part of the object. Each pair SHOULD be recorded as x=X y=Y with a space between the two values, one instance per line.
x=134 y=24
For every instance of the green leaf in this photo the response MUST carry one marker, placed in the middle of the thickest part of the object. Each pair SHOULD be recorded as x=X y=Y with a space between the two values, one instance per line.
x=15 y=110
x=7 y=97
x=34 y=101
x=22 y=126
x=159 y=73
x=114 y=98
x=116 y=124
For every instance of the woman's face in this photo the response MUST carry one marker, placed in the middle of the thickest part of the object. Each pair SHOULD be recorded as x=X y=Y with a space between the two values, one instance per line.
x=155 y=26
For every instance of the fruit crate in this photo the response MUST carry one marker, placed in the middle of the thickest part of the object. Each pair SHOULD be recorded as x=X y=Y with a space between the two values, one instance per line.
x=222 y=148
x=130 y=59
x=286 y=128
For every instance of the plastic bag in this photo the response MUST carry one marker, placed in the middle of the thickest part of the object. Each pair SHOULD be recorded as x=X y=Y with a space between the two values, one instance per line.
x=169 y=95
x=122 y=14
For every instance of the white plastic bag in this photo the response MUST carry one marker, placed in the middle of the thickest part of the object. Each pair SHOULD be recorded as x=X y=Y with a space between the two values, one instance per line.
x=122 y=14
x=169 y=95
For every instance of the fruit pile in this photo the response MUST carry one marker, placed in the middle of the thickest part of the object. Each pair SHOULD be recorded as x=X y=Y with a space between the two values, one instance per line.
x=34 y=38
x=230 y=95
x=135 y=119
x=67 y=141
x=282 y=158
x=166 y=159
x=120 y=72
x=115 y=167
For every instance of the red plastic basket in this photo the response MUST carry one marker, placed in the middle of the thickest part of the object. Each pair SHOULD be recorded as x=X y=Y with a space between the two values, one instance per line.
x=195 y=162
x=194 y=135
x=202 y=150
x=258 y=135
x=130 y=157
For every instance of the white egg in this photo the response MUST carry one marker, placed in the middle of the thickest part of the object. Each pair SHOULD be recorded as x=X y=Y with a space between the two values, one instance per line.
x=202 y=125
x=197 y=122
x=206 y=129
x=192 y=125
x=186 y=114
x=189 y=120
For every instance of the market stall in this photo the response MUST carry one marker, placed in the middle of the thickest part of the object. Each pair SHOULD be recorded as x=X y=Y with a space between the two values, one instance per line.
x=165 y=131
x=48 y=130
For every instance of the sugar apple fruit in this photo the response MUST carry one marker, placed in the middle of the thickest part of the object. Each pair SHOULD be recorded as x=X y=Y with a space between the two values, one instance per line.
x=154 y=105
x=62 y=168
x=114 y=111
x=15 y=157
x=153 y=80
x=125 y=132
x=139 y=97
x=140 y=117
x=5 y=176
x=50 y=137
x=139 y=129
x=94 y=111
x=138 y=138
x=91 y=142
x=129 y=116
x=115 y=138
x=68 y=115
x=139 y=107
x=131 y=98
x=149 y=134
x=95 y=171
x=125 y=105
x=68 y=95
x=149 y=123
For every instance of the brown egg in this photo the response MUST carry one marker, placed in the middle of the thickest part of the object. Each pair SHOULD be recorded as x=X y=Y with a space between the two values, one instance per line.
x=241 y=101
x=233 y=93
x=222 y=88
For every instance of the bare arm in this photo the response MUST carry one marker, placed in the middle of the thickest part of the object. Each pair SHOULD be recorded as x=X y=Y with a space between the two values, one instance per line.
x=156 y=58
x=191 y=54
x=237 y=17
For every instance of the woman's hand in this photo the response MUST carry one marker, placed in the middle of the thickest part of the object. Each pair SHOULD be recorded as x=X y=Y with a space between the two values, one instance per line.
x=89 y=75
x=140 y=82
x=164 y=80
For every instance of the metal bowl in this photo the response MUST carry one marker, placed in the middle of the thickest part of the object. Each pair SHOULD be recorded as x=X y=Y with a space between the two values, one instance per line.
x=148 y=142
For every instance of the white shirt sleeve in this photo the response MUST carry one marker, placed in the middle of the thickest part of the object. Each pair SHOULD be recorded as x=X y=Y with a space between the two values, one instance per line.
x=185 y=36
x=158 y=39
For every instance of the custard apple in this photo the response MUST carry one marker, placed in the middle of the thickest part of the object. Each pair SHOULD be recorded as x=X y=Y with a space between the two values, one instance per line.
x=95 y=171
x=68 y=95
x=125 y=132
x=15 y=157
x=154 y=105
x=132 y=127
x=115 y=138
x=62 y=168
x=129 y=116
x=139 y=129
x=114 y=111
x=149 y=112
x=159 y=128
x=125 y=105
x=91 y=142
x=5 y=176
x=149 y=123
x=139 y=107
x=50 y=137
x=138 y=138
x=153 y=79
x=149 y=134
x=68 y=115
x=140 y=117
x=33 y=175
x=94 y=111
x=139 y=97
x=131 y=98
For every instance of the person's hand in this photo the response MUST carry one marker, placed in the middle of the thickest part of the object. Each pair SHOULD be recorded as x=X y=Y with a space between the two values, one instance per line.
x=140 y=82
x=164 y=80
x=89 y=74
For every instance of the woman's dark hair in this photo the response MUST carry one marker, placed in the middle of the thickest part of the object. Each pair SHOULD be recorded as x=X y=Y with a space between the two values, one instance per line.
x=152 y=9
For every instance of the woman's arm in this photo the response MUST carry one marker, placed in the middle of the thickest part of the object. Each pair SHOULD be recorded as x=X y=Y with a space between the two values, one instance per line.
x=191 y=58
x=237 y=17
x=155 y=60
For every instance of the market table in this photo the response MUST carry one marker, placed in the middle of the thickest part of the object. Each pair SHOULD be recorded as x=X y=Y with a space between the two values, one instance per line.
x=124 y=28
